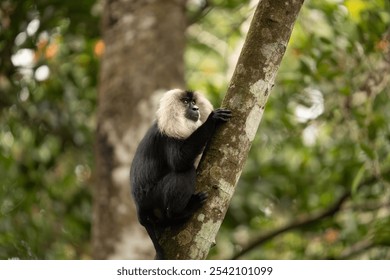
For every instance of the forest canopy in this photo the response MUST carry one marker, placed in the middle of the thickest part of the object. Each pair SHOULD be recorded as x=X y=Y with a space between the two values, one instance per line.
x=316 y=183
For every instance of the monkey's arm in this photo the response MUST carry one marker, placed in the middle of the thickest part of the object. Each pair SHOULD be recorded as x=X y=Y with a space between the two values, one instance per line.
x=183 y=158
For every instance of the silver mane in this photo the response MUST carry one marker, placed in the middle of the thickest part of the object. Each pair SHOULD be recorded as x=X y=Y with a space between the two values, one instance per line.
x=170 y=114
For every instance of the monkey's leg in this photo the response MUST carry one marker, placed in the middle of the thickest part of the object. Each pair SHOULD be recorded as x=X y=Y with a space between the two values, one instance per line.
x=180 y=200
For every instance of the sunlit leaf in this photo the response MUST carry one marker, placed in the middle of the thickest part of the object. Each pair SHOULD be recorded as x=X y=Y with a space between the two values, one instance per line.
x=358 y=179
x=355 y=7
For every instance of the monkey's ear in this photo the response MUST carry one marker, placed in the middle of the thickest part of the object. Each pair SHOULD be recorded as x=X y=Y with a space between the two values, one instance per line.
x=205 y=107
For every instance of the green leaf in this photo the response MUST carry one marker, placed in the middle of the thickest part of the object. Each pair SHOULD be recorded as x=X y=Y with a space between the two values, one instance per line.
x=382 y=232
x=358 y=179
x=367 y=150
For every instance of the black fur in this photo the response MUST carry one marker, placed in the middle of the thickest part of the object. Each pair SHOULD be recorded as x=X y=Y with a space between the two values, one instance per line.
x=163 y=177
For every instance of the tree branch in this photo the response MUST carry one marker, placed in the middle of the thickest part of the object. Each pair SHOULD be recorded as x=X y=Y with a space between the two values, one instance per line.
x=298 y=223
x=356 y=249
x=203 y=10
x=305 y=220
x=247 y=96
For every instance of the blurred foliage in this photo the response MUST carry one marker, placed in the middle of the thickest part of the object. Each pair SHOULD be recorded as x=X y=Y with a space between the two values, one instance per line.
x=325 y=130
x=48 y=76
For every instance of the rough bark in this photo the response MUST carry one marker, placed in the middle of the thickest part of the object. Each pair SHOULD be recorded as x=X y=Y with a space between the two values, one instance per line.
x=144 y=46
x=247 y=95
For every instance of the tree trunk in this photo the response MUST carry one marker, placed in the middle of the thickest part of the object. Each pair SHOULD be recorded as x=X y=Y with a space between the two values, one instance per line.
x=144 y=46
x=247 y=95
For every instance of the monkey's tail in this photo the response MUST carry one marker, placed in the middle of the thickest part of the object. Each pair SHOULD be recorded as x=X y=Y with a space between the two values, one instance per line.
x=154 y=234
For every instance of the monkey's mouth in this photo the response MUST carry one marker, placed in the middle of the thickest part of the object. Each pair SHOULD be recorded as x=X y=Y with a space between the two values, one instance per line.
x=192 y=115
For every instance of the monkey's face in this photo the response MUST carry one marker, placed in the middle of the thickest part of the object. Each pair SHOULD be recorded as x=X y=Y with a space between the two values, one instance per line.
x=188 y=102
x=181 y=112
x=191 y=109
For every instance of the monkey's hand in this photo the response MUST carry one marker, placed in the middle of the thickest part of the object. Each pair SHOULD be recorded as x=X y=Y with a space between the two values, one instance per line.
x=196 y=201
x=201 y=197
x=221 y=115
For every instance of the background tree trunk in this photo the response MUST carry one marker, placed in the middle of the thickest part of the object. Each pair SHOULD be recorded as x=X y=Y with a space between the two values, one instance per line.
x=247 y=95
x=144 y=46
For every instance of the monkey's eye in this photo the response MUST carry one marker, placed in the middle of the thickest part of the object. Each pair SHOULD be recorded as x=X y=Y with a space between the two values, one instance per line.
x=193 y=102
x=185 y=101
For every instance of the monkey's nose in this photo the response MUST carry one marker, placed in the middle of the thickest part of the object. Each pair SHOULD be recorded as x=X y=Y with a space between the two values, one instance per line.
x=195 y=108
